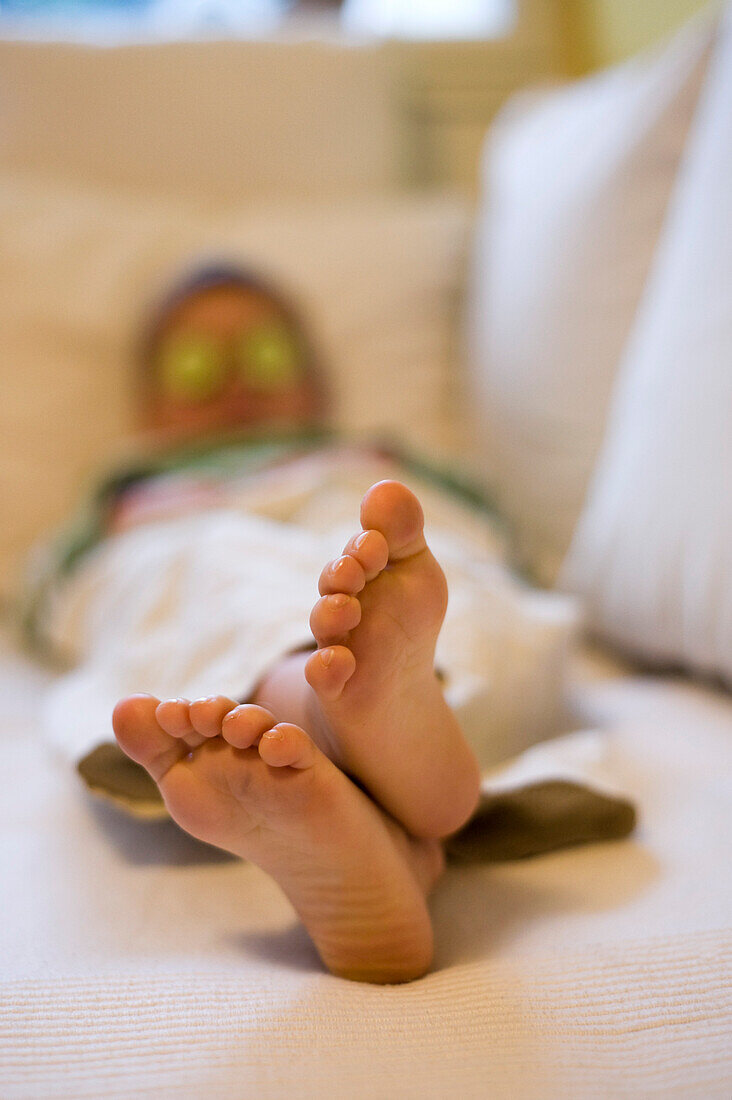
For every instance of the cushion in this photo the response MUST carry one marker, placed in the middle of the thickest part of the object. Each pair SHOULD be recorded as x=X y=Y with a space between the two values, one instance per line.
x=576 y=187
x=213 y=121
x=376 y=280
x=653 y=551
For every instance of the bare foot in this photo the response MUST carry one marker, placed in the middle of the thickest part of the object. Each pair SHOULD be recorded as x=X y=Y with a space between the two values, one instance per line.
x=231 y=776
x=376 y=707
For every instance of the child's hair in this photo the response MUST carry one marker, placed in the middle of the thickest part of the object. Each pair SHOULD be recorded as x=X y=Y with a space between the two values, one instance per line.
x=211 y=276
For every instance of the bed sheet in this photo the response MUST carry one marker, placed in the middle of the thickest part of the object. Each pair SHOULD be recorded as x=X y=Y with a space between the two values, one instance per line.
x=136 y=961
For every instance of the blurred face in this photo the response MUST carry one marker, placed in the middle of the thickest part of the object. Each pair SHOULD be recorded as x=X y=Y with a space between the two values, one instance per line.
x=227 y=356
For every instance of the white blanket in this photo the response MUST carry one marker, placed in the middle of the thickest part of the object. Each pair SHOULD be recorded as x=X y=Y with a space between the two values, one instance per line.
x=205 y=603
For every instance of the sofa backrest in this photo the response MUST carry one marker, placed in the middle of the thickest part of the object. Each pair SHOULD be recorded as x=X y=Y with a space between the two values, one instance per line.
x=213 y=121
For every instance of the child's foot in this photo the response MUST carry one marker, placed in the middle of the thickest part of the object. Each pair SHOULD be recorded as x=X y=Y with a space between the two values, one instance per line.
x=377 y=707
x=267 y=793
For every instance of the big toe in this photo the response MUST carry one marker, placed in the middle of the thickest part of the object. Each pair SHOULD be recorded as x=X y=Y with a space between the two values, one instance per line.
x=393 y=509
x=141 y=737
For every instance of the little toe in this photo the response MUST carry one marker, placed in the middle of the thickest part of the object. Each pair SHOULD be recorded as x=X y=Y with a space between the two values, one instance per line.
x=371 y=550
x=393 y=509
x=287 y=746
x=244 y=725
x=208 y=714
x=345 y=574
x=334 y=616
x=329 y=670
x=141 y=737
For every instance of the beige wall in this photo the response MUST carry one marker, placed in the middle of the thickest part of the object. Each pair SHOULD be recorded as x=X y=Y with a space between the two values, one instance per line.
x=449 y=92
x=607 y=31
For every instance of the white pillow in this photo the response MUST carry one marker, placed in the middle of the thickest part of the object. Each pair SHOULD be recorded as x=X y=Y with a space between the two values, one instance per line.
x=376 y=279
x=576 y=189
x=653 y=552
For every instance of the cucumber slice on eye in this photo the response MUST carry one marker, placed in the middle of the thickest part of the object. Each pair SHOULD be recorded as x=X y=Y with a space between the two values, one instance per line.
x=191 y=368
x=269 y=357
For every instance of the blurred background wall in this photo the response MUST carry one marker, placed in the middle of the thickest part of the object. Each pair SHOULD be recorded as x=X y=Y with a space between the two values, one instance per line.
x=452 y=90
x=608 y=31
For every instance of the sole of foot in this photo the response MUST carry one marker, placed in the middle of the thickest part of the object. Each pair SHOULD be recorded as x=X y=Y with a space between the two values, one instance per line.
x=234 y=777
x=379 y=707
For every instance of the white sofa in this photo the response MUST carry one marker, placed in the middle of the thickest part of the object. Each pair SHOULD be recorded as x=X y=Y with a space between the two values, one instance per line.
x=136 y=962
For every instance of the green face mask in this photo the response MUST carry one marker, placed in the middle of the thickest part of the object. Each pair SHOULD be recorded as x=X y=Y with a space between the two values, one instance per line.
x=191 y=368
x=268 y=357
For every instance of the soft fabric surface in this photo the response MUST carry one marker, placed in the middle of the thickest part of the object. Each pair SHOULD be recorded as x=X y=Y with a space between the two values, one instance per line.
x=560 y=268
x=207 y=602
x=653 y=551
x=135 y=961
x=216 y=122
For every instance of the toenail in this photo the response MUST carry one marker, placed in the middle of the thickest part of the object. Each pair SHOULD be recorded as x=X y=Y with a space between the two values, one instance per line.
x=339 y=600
x=275 y=734
x=339 y=564
x=326 y=656
x=360 y=540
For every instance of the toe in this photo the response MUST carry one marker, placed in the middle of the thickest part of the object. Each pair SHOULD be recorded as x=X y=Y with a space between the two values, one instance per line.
x=333 y=616
x=173 y=716
x=371 y=550
x=208 y=714
x=345 y=574
x=141 y=737
x=285 y=745
x=329 y=670
x=244 y=725
x=393 y=509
